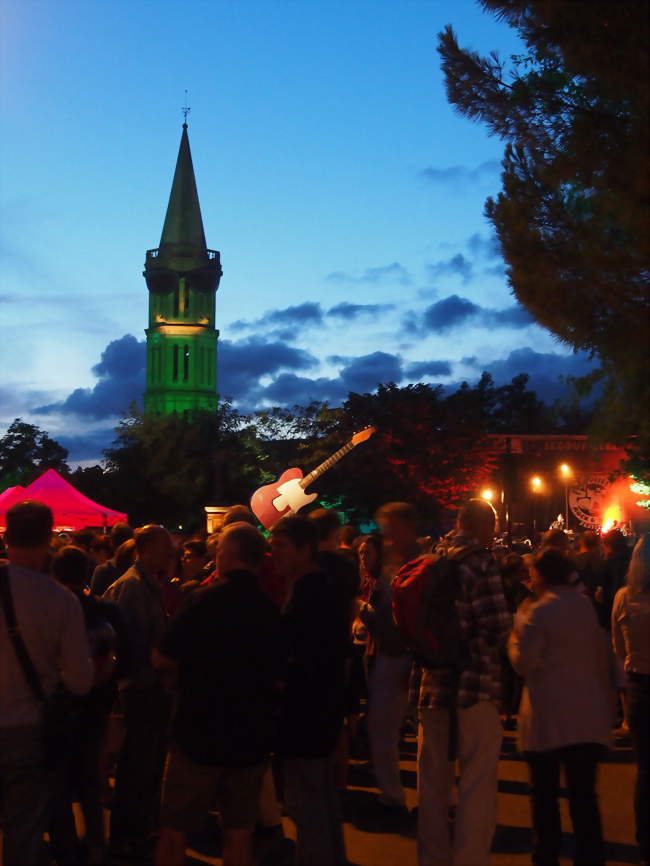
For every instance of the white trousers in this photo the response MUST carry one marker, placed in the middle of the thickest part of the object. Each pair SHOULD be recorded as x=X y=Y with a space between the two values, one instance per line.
x=479 y=748
x=389 y=684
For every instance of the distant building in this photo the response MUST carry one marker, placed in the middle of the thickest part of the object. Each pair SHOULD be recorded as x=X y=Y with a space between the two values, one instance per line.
x=182 y=276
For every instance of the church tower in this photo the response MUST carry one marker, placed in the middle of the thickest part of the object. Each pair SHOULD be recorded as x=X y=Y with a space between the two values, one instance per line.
x=182 y=277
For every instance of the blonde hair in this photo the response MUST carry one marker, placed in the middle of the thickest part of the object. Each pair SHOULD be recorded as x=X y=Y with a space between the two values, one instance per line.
x=638 y=573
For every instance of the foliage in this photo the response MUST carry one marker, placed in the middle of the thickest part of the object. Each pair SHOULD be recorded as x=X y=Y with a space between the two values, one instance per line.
x=165 y=468
x=572 y=217
x=26 y=452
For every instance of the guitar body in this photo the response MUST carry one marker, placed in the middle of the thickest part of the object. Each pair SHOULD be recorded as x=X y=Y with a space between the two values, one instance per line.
x=274 y=501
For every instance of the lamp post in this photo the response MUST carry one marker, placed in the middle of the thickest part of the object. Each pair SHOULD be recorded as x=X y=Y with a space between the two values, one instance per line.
x=567 y=474
x=536 y=486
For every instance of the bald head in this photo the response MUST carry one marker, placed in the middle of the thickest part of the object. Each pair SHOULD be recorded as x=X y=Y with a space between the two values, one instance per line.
x=241 y=547
x=478 y=519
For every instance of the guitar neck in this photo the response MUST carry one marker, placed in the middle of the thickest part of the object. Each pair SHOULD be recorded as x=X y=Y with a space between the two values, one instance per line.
x=325 y=465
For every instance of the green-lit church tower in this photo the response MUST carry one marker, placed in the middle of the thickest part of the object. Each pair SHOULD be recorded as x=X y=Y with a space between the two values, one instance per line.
x=182 y=277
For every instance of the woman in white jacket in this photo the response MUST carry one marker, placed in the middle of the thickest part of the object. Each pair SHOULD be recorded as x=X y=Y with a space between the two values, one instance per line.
x=567 y=708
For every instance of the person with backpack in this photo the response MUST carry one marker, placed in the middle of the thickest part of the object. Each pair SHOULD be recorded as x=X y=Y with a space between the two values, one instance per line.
x=463 y=622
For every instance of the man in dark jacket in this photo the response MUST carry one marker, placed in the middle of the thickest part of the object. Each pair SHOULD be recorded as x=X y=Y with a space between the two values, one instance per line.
x=316 y=627
x=228 y=650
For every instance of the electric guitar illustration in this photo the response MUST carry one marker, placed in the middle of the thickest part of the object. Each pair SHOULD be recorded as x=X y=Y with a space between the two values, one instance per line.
x=287 y=495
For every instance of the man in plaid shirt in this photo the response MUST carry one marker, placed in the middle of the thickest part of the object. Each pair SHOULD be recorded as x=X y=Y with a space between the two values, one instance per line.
x=485 y=624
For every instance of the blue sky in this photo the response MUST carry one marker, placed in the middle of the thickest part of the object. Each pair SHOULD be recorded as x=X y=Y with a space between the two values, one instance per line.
x=344 y=194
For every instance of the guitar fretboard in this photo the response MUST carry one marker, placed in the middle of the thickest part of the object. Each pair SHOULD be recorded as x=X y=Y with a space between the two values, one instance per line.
x=325 y=465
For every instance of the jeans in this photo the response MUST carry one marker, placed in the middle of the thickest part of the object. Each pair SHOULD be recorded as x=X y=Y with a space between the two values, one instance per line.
x=638 y=702
x=138 y=779
x=479 y=746
x=313 y=803
x=580 y=766
x=23 y=795
x=388 y=687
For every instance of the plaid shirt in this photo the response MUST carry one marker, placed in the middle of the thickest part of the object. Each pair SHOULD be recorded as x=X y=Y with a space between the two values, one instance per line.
x=485 y=624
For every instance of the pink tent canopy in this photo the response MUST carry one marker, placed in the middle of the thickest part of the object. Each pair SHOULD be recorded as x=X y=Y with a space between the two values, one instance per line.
x=71 y=509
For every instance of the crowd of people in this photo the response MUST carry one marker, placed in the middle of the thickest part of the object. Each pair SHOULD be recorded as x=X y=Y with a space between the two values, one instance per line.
x=161 y=679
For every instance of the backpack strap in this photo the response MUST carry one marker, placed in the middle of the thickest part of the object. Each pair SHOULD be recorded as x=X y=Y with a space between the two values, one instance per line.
x=24 y=659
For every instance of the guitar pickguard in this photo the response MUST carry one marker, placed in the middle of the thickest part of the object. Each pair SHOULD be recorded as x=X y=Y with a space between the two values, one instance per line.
x=292 y=496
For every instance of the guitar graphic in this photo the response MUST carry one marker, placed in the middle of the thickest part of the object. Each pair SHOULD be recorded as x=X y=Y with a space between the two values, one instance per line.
x=287 y=495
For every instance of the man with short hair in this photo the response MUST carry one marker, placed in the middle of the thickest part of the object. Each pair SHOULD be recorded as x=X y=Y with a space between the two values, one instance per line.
x=388 y=683
x=474 y=695
x=50 y=622
x=228 y=650
x=145 y=702
x=316 y=625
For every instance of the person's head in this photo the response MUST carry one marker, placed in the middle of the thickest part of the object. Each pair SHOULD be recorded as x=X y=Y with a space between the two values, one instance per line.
x=102 y=548
x=294 y=546
x=513 y=569
x=328 y=526
x=212 y=545
x=194 y=556
x=70 y=566
x=589 y=542
x=478 y=519
x=551 y=568
x=638 y=573
x=241 y=548
x=154 y=548
x=124 y=556
x=28 y=533
x=398 y=522
x=84 y=538
x=348 y=534
x=615 y=543
x=556 y=539
x=120 y=533
x=369 y=551
x=238 y=514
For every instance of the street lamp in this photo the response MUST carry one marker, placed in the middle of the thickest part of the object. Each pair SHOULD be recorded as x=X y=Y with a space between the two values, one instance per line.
x=567 y=474
x=487 y=494
x=536 y=486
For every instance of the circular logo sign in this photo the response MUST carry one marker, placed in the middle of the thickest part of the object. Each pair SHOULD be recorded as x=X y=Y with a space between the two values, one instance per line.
x=587 y=499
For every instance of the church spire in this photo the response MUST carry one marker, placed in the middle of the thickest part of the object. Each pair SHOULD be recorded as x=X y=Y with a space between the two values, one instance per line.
x=182 y=234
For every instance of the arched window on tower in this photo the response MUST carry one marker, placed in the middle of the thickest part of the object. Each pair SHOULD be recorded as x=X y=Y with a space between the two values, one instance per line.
x=175 y=365
x=177 y=299
x=186 y=362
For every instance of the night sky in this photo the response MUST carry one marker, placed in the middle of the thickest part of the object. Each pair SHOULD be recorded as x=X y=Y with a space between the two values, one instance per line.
x=344 y=193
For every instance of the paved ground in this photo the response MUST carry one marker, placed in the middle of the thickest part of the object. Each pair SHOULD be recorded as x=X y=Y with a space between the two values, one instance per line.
x=371 y=841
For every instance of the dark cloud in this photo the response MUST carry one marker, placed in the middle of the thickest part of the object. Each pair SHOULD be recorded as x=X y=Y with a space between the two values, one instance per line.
x=453 y=311
x=308 y=313
x=367 y=371
x=288 y=389
x=458 y=265
x=512 y=317
x=449 y=313
x=87 y=446
x=244 y=362
x=547 y=370
x=421 y=369
x=346 y=310
x=121 y=372
x=395 y=272
x=484 y=247
x=461 y=174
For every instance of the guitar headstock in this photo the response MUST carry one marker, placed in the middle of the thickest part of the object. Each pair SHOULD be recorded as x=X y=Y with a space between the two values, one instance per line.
x=363 y=435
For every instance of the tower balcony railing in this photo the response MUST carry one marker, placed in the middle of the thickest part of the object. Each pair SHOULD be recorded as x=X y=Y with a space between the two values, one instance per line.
x=153 y=254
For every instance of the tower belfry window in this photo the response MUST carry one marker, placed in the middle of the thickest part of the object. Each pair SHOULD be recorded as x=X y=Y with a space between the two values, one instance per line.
x=175 y=365
x=176 y=300
x=186 y=362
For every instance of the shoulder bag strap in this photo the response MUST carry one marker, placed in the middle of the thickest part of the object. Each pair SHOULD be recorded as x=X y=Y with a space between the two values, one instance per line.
x=24 y=659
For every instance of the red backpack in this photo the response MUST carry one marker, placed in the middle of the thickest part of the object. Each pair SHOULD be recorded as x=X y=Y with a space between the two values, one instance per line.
x=425 y=592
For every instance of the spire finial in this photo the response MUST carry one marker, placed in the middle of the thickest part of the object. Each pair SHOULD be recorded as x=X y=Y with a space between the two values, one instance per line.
x=186 y=110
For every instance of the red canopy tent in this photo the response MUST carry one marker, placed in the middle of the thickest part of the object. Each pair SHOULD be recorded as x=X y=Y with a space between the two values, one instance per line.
x=71 y=509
